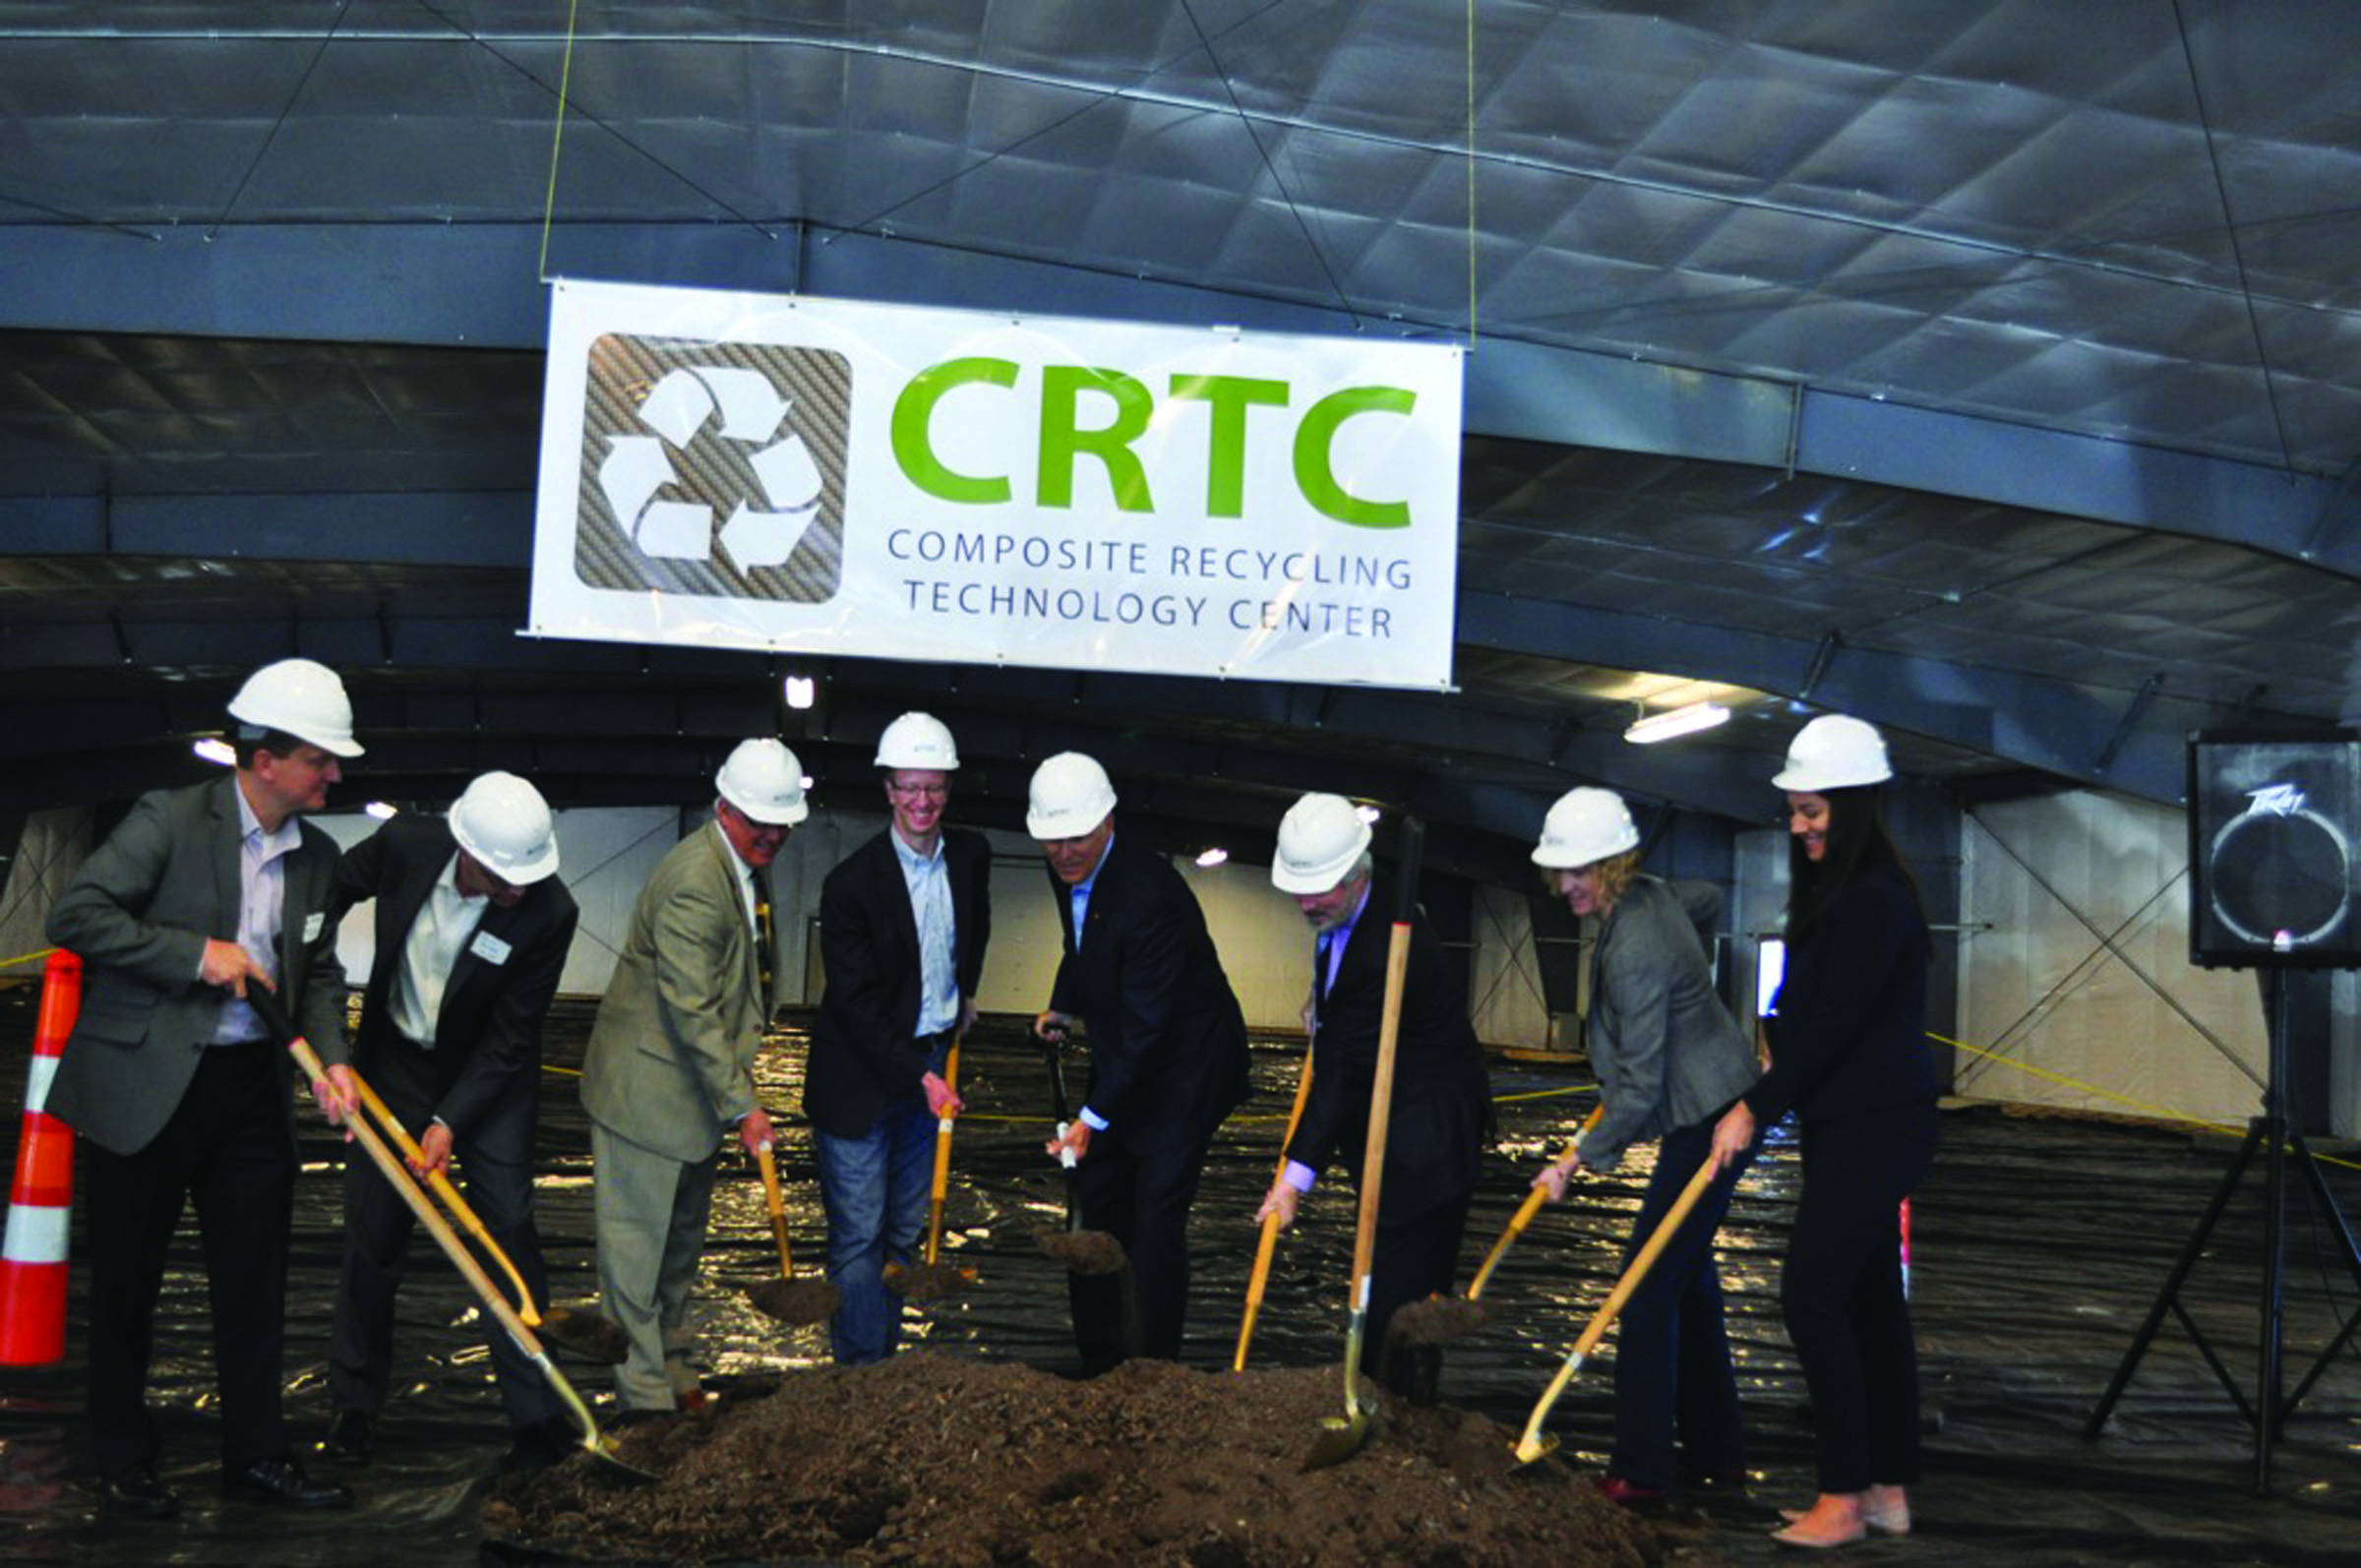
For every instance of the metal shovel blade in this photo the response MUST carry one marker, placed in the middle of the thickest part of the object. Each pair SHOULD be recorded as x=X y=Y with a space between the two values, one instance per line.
x=1340 y=1438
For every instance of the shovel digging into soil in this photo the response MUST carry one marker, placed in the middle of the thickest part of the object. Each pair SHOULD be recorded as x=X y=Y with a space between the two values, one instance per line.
x=574 y=1331
x=788 y=1298
x=1534 y=1444
x=1086 y=1252
x=1440 y=1319
x=1341 y=1437
x=599 y=1446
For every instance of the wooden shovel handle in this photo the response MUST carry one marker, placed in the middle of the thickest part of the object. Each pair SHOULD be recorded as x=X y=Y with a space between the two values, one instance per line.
x=1525 y=1213
x=778 y=1207
x=438 y=1228
x=940 y=1187
x=1650 y=1250
x=1269 y=1242
x=446 y=1191
x=1531 y=1445
x=1381 y=1106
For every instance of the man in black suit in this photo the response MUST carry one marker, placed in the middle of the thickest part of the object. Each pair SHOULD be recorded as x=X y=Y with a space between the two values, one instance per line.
x=1441 y=1102
x=178 y=1090
x=1167 y=1051
x=472 y=929
x=903 y=922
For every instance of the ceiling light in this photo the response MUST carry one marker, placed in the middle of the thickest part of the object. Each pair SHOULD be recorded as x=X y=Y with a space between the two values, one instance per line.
x=1213 y=857
x=1686 y=720
x=213 y=749
x=804 y=782
x=1367 y=814
x=380 y=810
x=802 y=692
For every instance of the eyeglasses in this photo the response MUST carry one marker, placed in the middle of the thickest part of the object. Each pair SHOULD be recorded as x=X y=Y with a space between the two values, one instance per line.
x=920 y=791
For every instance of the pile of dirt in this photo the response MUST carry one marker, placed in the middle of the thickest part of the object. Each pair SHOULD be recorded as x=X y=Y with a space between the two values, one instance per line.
x=928 y=1459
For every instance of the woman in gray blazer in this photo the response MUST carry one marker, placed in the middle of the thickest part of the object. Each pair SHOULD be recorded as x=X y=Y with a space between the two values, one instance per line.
x=1670 y=1060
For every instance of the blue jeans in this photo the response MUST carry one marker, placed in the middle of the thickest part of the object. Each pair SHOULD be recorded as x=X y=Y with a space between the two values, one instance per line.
x=875 y=1189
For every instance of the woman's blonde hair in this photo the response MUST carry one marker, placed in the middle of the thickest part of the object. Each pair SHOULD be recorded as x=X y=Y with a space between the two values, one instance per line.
x=1616 y=873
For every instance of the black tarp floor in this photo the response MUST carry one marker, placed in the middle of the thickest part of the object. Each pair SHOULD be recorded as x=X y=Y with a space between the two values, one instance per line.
x=2039 y=1247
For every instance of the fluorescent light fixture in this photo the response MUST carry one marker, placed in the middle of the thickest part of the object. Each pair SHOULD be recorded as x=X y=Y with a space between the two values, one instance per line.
x=1213 y=857
x=215 y=751
x=1684 y=720
x=1367 y=814
x=802 y=692
x=382 y=810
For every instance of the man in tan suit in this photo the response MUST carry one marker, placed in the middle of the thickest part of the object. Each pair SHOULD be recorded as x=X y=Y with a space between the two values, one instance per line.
x=670 y=1067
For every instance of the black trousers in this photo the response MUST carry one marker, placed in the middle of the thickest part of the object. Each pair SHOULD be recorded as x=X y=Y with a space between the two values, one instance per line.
x=1840 y=1293
x=1141 y=1197
x=496 y=1158
x=1674 y=1378
x=229 y=1149
x=1413 y=1259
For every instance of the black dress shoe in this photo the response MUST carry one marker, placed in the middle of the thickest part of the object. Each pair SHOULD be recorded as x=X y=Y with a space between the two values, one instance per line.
x=137 y=1494
x=351 y=1438
x=283 y=1483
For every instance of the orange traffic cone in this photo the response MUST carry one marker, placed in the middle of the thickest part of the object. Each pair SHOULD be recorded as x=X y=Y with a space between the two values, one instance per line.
x=32 y=1260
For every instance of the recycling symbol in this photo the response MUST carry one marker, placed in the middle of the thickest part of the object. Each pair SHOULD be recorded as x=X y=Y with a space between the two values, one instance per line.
x=716 y=420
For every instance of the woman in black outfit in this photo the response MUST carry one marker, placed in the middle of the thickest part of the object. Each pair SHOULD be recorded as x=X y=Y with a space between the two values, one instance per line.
x=1848 y=1055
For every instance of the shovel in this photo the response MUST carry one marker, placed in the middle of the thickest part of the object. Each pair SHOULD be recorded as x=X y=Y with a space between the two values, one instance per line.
x=1533 y=1445
x=1270 y=1221
x=1525 y=1212
x=1087 y=1252
x=933 y=1280
x=1439 y=1319
x=601 y=1449
x=584 y=1333
x=788 y=1298
x=1341 y=1437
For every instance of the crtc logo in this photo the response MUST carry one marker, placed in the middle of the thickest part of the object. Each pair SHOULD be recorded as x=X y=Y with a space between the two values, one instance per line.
x=714 y=469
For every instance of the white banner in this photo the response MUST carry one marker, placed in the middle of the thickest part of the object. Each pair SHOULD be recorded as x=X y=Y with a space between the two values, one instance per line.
x=826 y=477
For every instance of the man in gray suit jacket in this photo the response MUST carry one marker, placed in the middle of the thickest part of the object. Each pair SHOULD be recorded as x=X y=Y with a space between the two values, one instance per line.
x=670 y=1067
x=472 y=930
x=178 y=1091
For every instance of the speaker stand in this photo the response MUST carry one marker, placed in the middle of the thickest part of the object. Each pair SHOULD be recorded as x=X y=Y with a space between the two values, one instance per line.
x=2271 y=1133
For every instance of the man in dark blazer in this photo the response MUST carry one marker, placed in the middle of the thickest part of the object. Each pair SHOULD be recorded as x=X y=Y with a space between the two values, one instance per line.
x=472 y=929
x=903 y=923
x=177 y=1089
x=1441 y=1100
x=1168 y=1052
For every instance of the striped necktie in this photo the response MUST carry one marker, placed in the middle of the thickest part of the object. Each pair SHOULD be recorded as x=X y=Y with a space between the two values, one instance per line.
x=765 y=944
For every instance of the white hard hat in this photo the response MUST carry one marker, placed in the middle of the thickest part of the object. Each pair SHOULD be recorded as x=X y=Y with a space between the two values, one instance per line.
x=1584 y=827
x=763 y=779
x=300 y=698
x=504 y=824
x=918 y=740
x=1070 y=797
x=1834 y=753
x=1320 y=838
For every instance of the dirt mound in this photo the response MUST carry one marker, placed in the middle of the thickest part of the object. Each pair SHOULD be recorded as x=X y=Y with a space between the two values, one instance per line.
x=927 y=1459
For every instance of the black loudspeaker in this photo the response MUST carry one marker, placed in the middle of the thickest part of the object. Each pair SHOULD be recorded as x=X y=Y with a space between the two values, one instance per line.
x=2274 y=879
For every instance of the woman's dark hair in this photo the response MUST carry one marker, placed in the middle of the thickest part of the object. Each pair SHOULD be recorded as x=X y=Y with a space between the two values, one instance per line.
x=1857 y=845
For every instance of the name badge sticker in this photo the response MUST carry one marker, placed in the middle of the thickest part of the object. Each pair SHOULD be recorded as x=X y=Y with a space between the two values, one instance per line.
x=312 y=924
x=490 y=948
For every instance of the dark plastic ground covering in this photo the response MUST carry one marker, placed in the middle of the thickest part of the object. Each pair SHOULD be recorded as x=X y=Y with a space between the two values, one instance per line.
x=2039 y=1245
